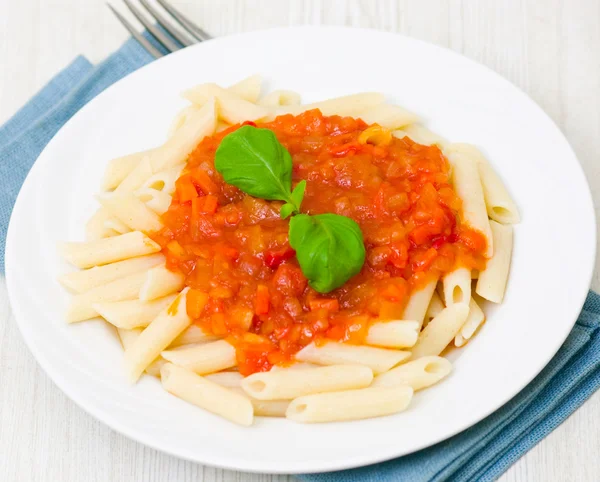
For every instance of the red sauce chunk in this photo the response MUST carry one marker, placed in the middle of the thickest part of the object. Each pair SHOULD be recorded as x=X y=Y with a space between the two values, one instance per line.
x=245 y=282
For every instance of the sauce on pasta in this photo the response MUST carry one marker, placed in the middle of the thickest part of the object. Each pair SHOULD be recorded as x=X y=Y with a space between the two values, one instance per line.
x=245 y=282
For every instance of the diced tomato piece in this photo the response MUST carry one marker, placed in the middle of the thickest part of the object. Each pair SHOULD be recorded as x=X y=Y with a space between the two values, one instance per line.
x=204 y=182
x=274 y=257
x=196 y=300
x=394 y=292
x=289 y=279
x=210 y=204
x=175 y=249
x=329 y=304
x=261 y=303
x=185 y=190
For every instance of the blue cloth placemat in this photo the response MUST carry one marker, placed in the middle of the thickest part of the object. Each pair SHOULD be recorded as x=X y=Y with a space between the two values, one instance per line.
x=481 y=453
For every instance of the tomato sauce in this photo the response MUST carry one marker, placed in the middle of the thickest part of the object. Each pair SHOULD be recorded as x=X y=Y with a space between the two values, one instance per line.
x=245 y=281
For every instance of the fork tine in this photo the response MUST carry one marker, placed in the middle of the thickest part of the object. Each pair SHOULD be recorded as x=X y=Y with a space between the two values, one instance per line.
x=136 y=35
x=188 y=24
x=166 y=25
x=161 y=37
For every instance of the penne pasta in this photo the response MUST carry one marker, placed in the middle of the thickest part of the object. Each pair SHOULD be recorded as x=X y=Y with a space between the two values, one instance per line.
x=164 y=180
x=280 y=97
x=160 y=282
x=159 y=334
x=467 y=184
x=269 y=408
x=158 y=201
x=289 y=384
x=202 y=93
x=265 y=408
x=474 y=320
x=231 y=108
x=81 y=306
x=205 y=394
x=436 y=306
x=349 y=105
x=177 y=149
x=137 y=177
x=193 y=334
x=127 y=338
x=96 y=229
x=117 y=226
x=294 y=366
x=248 y=88
x=118 y=169
x=109 y=250
x=234 y=110
x=85 y=280
x=132 y=313
x=155 y=367
x=419 y=301
x=417 y=374
x=457 y=286
x=221 y=126
x=131 y=211
x=440 y=331
x=421 y=135
x=226 y=379
x=500 y=206
x=492 y=280
x=181 y=118
x=388 y=116
x=332 y=353
x=204 y=358
x=393 y=334
x=350 y=404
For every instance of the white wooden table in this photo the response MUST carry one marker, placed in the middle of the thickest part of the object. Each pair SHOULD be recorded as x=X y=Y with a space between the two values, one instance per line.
x=549 y=48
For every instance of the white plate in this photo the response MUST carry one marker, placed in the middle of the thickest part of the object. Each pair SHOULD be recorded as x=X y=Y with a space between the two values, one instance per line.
x=463 y=101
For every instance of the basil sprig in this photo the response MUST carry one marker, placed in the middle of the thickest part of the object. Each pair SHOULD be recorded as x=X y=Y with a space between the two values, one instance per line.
x=330 y=248
x=254 y=161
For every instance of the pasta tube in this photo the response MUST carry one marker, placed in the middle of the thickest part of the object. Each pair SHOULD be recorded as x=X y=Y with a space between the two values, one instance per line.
x=85 y=280
x=288 y=384
x=109 y=250
x=160 y=281
x=440 y=331
x=467 y=184
x=205 y=394
x=156 y=337
x=417 y=374
x=393 y=334
x=132 y=313
x=419 y=301
x=202 y=359
x=492 y=280
x=474 y=320
x=457 y=286
x=350 y=405
x=333 y=353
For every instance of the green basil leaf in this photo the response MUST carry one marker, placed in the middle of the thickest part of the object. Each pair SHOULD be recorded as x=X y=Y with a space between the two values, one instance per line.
x=294 y=207
x=254 y=161
x=298 y=194
x=287 y=210
x=329 y=248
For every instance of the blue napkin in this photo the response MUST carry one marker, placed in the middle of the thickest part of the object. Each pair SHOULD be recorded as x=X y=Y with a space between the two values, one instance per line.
x=480 y=453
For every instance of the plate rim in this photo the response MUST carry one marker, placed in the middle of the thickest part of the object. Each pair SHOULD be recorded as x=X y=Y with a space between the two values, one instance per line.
x=231 y=464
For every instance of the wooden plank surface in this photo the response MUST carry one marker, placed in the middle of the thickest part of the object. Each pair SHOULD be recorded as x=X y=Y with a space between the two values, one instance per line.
x=549 y=48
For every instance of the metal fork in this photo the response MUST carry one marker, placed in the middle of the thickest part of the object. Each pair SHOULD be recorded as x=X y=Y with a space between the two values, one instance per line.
x=183 y=30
